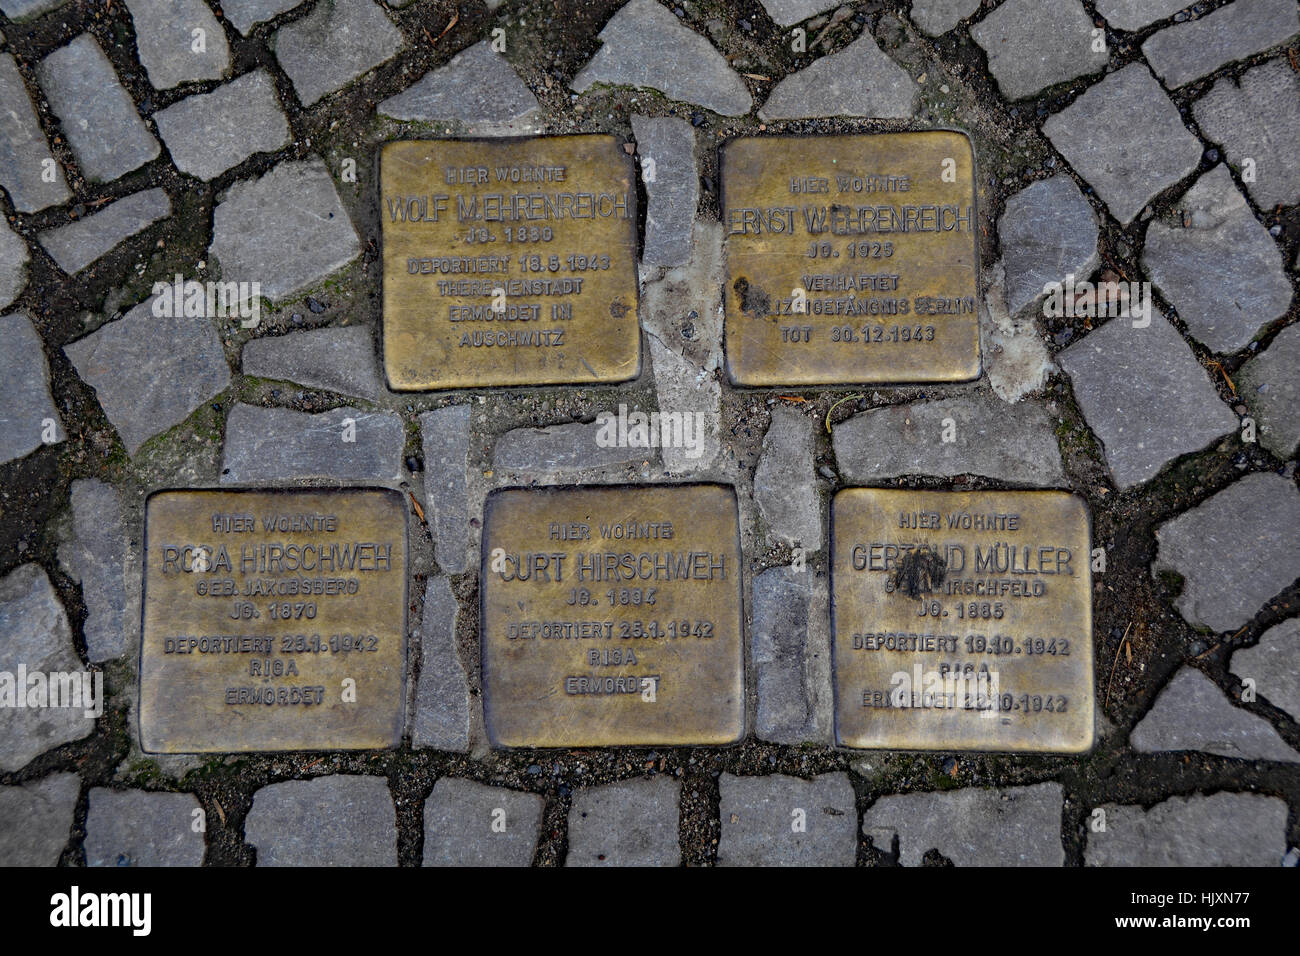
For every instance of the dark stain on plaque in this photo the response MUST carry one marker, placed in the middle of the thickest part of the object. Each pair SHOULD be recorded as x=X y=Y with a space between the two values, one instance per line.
x=921 y=571
x=753 y=300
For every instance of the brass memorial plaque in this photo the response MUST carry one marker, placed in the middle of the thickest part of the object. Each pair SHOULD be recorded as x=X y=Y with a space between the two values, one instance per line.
x=850 y=259
x=612 y=616
x=962 y=620
x=273 y=620
x=509 y=262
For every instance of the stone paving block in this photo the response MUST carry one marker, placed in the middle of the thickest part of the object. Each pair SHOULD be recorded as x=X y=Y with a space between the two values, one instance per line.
x=339 y=820
x=779 y=649
x=85 y=241
x=1012 y=350
x=212 y=132
x=26 y=9
x=1186 y=51
x=150 y=372
x=286 y=230
x=445 y=434
x=101 y=123
x=1222 y=829
x=685 y=389
x=1135 y=14
x=247 y=14
x=13 y=265
x=164 y=40
x=1047 y=231
x=1219 y=267
x=1017 y=826
x=1125 y=138
x=337 y=359
x=784 y=821
x=1034 y=44
x=1014 y=443
x=785 y=485
x=631 y=823
x=26 y=409
x=1234 y=551
x=1144 y=395
x=1271 y=390
x=859 y=80
x=35 y=818
x=95 y=558
x=333 y=45
x=563 y=449
x=684 y=308
x=477 y=86
x=644 y=45
x=674 y=192
x=1258 y=118
x=1274 y=665
x=139 y=828
x=786 y=13
x=1191 y=713
x=279 y=444
x=35 y=636
x=442 y=693
x=937 y=17
x=24 y=152
x=470 y=824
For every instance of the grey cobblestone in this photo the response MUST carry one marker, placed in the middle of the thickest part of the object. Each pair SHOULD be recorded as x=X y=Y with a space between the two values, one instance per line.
x=1047 y=231
x=785 y=485
x=644 y=45
x=333 y=45
x=101 y=123
x=247 y=14
x=1125 y=137
x=24 y=152
x=286 y=230
x=445 y=433
x=26 y=9
x=1274 y=665
x=477 y=86
x=442 y=694
x=937 y=17
x=13 y=265
x=279 y=444
x=834 y=86
x=212 y=132
x=165 y=40
x=25 y=403
x=782 y=599
x=145 y=389
x=338 y=359
x=1223 y=829
x=1185 y=51
x=1268 y=386
x=632 y=823
x=562 y=449
x=787 y=13
x=138 y=828
x=1012 y=442
x=1136 y=14
x=1218 y=268
x=674 y=193
x=338 y=820
x=685 y=389
x=1018 y=826
x=1145 y=396
x=1034 y=44
x=469 y=824
x=95 y=557
x=1191 y=713
x=35 y=818
x=784 y=821
x=1234 y=551
x=84 y=241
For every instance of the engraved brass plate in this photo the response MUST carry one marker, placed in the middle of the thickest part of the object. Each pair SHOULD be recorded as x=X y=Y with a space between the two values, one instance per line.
x=850 y=259
x=259 y=607
x=509 y=262
x=962 y=620
x=612 y=616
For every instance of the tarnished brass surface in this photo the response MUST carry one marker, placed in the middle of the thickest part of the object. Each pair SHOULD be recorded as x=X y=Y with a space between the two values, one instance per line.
x=612 y=640
x=222 y=634
x=509 y=262
x=850 y=259
x=1009 y=669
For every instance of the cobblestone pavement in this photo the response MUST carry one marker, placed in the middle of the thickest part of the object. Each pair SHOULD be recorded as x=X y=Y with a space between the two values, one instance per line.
x=1116 y=140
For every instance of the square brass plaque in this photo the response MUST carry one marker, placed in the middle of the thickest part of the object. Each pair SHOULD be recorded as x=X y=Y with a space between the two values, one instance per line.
x=509 y=262
x=273 y=620
x=850 y=259
x=962 y=620
x=612 y=616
